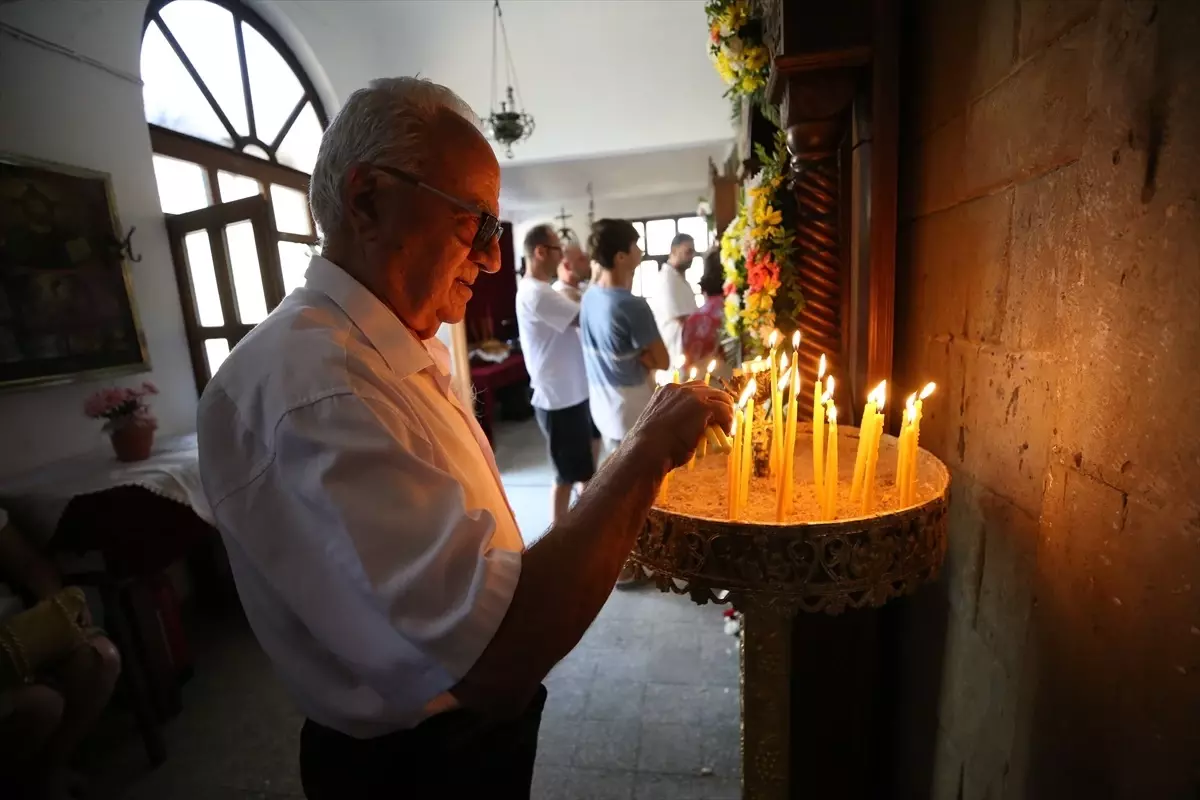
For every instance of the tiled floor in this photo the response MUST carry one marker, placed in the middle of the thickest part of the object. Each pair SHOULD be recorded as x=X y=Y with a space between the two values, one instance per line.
x=646 y=706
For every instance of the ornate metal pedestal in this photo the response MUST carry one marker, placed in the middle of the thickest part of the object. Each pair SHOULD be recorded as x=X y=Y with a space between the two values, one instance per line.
x=772 y=572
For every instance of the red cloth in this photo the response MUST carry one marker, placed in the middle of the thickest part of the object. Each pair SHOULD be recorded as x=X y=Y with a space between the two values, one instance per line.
x=701 y=330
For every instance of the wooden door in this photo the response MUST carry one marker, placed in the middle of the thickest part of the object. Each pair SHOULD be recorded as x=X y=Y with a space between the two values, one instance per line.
x=227 y=268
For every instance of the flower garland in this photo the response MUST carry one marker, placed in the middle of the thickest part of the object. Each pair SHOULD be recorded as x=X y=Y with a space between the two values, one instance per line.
x=757 y=252
x=736 y=47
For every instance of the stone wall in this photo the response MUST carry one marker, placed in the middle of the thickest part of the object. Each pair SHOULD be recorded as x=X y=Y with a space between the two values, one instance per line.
x=1049 y=282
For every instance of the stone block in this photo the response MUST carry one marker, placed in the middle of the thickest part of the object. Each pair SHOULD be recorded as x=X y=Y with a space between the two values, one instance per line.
x=963 y=569
x=1007 y=579
x=1043 y=21
x=932 y=173
x=1045 y=263
x=975 y=689
x=959 y=268
x=959 y=50
x=1008 y=425
x=1032 y=122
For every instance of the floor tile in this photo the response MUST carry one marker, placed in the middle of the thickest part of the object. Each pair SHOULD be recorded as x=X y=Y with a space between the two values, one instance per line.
x=670 y=748
x=614 y=700
x=559 y=783
x=658 y=786
x=607 y=744
x=667 y=703
x=557 y=738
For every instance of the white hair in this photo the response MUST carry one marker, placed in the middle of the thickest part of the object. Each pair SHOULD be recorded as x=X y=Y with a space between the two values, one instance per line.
x=388 y=123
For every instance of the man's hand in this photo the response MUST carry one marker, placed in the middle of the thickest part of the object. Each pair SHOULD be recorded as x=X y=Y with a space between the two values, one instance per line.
x=674 y=421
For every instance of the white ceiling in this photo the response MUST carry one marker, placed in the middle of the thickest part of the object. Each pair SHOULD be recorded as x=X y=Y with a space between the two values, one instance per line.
x=599 y=76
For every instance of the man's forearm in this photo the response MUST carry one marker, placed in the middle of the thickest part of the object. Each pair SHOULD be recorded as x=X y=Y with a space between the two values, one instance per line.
x=565 y=579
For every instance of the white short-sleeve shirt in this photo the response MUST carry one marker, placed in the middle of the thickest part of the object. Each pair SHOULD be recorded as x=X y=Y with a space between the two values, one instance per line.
x=548 y=324
x=372 y=545
x=673 y=298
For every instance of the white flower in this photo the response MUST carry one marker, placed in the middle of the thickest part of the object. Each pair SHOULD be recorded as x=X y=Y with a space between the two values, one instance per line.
x=704 y=209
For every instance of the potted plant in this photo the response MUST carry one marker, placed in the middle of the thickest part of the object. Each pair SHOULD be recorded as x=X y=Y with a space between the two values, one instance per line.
x=128 y=419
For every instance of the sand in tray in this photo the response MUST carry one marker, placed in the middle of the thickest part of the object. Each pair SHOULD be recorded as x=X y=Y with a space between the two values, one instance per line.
x=703 y=490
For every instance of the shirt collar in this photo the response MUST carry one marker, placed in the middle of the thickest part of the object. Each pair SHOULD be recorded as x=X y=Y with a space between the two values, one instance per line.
x=404 y=353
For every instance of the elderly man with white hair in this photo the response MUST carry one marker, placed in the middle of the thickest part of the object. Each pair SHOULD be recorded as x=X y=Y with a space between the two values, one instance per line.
x=373 y=547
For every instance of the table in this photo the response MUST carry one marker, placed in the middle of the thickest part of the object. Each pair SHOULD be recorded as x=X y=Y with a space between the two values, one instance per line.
x=117 y=526
x=487 y=378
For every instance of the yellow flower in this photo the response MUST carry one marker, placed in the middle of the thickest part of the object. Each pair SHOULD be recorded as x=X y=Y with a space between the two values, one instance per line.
x=766 y=215
x=755 y=57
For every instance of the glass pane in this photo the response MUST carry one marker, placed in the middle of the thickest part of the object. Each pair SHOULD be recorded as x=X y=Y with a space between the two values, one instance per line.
x=247 y=277
x=659 y=233
x=204 y=279
x=697 y=228
x=181 y=185
x=256 y=151
x=205 y=32
x=273 y=85
x=299 y=148
x=291 y=210
x=643 y=277
x=171 y=97
x=293 y=260
x=641 y=229
x=693 y=275
x=236 y=187
x=215 y=351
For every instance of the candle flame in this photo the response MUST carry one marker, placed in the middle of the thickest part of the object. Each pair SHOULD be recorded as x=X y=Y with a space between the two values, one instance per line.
x=783 y=379
x=829 y=385
x=910 y=414
x=821 y=369
x=833 y=414
x=773 y=339
x=796 y=340
x=879 y=395
x=783 y=362
x=711 y=366
x=928 y=390
x=751 y=387
x=662 y=378
x=692 y=373
x=910 y=405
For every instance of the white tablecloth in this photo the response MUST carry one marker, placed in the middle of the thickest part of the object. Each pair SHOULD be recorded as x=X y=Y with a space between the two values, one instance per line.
x=36 y=500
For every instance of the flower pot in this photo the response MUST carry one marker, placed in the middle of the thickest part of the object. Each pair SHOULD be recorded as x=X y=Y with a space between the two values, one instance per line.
x=133 y=442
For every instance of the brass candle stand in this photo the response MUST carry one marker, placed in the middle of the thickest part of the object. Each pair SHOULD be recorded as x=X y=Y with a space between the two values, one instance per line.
x=771 y=572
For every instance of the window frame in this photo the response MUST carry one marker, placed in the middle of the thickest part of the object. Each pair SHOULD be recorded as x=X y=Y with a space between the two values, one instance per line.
x=242 y=13
x=213 y=158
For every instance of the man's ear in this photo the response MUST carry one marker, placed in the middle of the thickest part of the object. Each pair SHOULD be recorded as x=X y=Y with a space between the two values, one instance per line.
x=361 y=192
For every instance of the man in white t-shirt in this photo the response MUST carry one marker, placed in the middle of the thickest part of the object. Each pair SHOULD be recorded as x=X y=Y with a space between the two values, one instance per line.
x=549 y=326
x=573 y=272
x=673 y=299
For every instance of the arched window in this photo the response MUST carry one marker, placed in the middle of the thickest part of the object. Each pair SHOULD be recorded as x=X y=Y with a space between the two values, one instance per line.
x=235 y=125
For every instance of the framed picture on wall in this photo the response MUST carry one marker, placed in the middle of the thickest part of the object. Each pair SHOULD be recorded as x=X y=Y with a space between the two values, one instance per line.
x=67 y=310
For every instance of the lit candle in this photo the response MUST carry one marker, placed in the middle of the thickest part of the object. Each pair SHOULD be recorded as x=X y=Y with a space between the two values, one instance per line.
x=818 y=422
x=868 y=490
x=831 y=466
x=777 y=417
x=699 y=451
x=782 y=461
x=734 y=460
x=746 y=469
x=784 y=500
x=914 y=444
x=874 y=401
x=712 y=365
x=910 y=411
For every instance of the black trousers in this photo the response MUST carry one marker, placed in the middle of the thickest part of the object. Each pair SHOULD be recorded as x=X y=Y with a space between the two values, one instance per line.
x=455 y=754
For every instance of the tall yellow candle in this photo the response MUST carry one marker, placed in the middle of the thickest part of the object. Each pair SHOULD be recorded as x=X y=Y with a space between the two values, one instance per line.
x=864 y=437
x=731 y=470
x=746 y=469
x=868 y=491
x=787 y=484
x=910 y=496
x=708 y=371
x=831 y=466
x=699 y=451
x=777 y=417
x=902 y=448
x=818 y=422
x=780 y=476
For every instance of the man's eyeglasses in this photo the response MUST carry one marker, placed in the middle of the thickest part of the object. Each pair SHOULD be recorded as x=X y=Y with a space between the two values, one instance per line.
x=489 y=226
